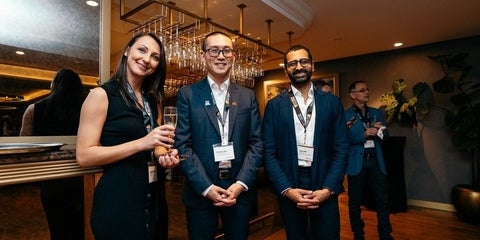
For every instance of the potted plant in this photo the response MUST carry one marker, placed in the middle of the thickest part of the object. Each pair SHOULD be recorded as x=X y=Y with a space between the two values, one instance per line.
x=400 y=109
x=463 y=120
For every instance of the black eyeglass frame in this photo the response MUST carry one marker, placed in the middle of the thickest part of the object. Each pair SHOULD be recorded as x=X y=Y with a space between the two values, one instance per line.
x=227 y=52
x=304 y=62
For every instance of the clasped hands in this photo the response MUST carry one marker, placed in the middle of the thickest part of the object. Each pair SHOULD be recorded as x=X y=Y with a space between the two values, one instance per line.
x=307 y=199
x=225 y=197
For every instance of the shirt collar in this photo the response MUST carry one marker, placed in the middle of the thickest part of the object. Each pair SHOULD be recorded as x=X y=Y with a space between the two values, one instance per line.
x=214 y=86
x=297 y=93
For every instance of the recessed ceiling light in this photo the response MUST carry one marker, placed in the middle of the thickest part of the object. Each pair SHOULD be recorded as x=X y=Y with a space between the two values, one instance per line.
x=20 y=52
x=92 y=3
x=398 y=44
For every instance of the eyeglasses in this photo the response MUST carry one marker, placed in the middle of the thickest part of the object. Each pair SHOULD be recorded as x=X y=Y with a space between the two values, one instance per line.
x=303 y=62
x=215 y=52
x=361 y=90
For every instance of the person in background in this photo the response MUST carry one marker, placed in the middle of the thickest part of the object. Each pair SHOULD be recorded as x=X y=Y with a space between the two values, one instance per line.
x=219 y=128
x=119 y=130
x=306 y=146
x=324 y=86
x=366 y=166
x=59 y=114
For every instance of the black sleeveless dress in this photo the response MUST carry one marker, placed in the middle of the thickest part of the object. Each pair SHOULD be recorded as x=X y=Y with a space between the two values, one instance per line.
x=125 y=205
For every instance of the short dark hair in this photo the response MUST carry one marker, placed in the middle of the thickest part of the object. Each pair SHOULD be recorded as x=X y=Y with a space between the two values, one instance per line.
x=204 y=43
x=296 y=48
x=322 y=83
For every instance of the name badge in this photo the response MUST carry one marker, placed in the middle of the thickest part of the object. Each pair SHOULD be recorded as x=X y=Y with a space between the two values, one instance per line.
x=369 y=144
x=152 y=173
x=223 y=152
x=305 y=155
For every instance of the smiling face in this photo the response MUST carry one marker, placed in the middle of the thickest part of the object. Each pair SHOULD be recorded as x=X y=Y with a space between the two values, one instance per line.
x=218 y=67
x=299 y=67
x=143 y=58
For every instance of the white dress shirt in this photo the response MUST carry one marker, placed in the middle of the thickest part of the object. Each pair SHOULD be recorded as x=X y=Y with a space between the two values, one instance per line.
x=304 y=138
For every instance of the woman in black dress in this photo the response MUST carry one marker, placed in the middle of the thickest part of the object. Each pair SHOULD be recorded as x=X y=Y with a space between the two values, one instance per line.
x=58 y=115
x=119 y=130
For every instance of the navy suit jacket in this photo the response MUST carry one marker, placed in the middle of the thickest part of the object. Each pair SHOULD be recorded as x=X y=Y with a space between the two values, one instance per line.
x=330 y=143
x=198 y=130
x=357 y=140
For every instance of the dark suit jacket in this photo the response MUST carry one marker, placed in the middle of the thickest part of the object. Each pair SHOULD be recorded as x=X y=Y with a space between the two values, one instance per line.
x=330 y=142
x=198 y=129
x=357 y=140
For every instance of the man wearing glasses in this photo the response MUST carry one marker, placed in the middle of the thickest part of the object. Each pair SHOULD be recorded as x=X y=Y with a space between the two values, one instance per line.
x=219 y=128
x=306 y=146
x=366 y=166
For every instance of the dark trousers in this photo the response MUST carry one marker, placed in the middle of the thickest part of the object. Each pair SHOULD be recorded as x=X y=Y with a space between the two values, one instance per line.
x=321 y=223
x=202 y=222
x=62 y=201
x=378 y=183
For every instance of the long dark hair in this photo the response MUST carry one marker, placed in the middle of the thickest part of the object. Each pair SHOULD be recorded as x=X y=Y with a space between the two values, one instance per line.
x=67 y=95
x=153 y=83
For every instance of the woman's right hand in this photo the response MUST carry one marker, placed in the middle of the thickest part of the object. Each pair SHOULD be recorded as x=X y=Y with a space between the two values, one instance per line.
x=160 y=136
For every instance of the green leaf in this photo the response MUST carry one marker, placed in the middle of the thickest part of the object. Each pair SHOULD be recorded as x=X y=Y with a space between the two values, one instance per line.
x=460 y=99
x=444 y=85
x=419 y=88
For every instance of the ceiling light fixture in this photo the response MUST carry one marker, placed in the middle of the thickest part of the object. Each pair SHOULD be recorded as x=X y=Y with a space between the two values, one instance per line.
x=20 y=52
x=398 y=44
x=295 y=10
x=92 y=3
x=182 y=33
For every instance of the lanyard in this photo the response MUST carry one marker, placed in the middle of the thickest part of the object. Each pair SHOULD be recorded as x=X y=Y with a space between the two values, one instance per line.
x=146 y=110
x=364 y=117
x=222 y=118
x=303 y=121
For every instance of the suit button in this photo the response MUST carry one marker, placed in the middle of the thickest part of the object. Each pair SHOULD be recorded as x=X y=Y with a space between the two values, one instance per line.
x=149 y=195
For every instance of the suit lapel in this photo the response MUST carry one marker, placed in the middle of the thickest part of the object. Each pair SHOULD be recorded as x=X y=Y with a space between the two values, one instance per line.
x=232 y=111
x=206 y=96
x=318 y=120
x=287 y=109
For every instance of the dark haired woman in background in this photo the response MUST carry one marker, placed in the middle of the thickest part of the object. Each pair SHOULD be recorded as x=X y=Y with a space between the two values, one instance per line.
x=118 y=131
x=59 y=114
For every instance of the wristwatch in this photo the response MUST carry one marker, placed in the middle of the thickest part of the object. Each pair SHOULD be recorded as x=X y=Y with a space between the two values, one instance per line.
x=330 y=190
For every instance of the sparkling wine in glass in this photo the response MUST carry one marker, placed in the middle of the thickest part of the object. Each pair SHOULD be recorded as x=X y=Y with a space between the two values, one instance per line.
x=170 y=116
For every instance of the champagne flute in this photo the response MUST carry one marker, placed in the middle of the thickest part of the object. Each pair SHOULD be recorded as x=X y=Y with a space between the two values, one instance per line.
x=170 y=116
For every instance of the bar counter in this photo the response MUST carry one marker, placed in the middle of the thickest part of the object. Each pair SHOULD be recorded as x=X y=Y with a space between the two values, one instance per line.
x=32 y=167
x=53 y=164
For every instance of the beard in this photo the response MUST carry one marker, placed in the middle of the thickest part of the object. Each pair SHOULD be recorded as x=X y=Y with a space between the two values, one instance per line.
x=300 y=77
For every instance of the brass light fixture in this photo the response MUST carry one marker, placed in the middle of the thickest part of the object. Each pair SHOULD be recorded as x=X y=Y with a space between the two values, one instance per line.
x=182 y=33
